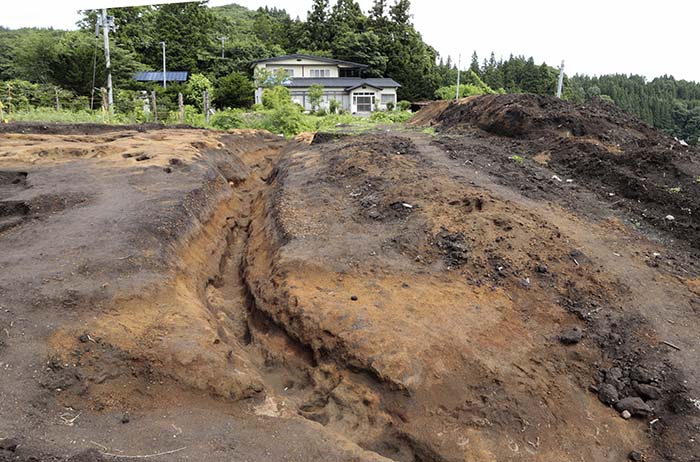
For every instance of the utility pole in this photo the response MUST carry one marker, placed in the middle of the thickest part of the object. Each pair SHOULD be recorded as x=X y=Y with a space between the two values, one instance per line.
x=223 y=39
x=561 y=79
x=459 y=70
x=107 y=23
x=165 y=84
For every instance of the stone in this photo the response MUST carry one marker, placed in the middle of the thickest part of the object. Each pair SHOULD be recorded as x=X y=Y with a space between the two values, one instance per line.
x=542 y=269
x=571 y=336
x=646 y=391
x=641 y=375
x=353 y=298
x=636 y=456
x=626 y=415
x=9 y=444
x=635 y=406
x=607 y=394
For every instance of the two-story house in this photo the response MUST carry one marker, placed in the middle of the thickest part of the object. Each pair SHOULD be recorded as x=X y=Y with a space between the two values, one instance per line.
x=341 y=81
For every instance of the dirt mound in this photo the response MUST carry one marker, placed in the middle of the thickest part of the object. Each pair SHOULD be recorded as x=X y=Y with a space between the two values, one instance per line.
x=600 y=146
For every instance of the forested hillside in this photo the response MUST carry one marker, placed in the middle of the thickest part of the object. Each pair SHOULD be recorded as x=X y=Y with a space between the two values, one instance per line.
x=218 y=44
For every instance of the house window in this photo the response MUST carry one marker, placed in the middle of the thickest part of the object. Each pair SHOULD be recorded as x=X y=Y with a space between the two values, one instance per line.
x=288 y=71
x=386 y=99
x=320 y=72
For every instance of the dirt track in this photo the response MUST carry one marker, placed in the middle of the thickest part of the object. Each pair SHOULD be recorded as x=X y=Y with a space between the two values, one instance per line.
x=390 y=296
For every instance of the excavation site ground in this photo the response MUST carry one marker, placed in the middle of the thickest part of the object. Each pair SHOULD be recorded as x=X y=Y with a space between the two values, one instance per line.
x=505 y=278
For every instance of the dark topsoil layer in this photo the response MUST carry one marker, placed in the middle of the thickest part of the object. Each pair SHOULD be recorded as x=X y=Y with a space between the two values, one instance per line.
x=608 y=151
x=78 y=129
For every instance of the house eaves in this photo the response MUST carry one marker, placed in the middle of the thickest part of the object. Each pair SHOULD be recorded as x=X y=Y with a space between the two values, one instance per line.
x=310 y=57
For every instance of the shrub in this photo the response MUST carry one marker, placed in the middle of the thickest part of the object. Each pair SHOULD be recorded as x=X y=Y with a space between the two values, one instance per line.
x=334 y=106
x=234 y=90
x=315 y=95
x=226 y=120
x=276 y=97
x=389 y=106
x=194 y=90
x=404 y=105
x=390 y=117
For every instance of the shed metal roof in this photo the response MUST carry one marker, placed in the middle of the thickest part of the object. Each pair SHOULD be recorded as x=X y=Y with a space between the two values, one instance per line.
x=173 y=76
x=348 y=83
x=316 y=58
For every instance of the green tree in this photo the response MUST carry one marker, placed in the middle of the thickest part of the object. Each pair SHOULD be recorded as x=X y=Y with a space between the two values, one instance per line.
x=186 y=30
x=315 y=95
x=234 y=90
x=194 y=90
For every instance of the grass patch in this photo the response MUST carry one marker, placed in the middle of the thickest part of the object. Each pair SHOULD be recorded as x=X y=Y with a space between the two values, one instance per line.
x=283 y=121
x=517 y=159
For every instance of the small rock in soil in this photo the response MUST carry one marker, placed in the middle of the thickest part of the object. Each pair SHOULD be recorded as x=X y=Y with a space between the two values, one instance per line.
x=9 y=444
x=542 y=269
x=571 y=336
x=126 y=419
x=636 y=456
x=641 y=375
x=353 y=298
x=84 y=338
x=635 y=406
x=607 y=394
x=647 y=391
x=626 y=415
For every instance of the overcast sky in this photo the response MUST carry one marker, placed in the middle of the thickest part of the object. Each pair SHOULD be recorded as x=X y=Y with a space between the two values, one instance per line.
x=651 y=38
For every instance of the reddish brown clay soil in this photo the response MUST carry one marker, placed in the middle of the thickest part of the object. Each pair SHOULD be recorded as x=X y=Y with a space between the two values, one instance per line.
x=193 y=295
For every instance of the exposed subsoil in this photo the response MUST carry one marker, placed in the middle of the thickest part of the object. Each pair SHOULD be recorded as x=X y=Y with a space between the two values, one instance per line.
x=191 y=295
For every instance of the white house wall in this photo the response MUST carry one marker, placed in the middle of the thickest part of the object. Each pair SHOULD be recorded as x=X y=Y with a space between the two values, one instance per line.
x=301 y=69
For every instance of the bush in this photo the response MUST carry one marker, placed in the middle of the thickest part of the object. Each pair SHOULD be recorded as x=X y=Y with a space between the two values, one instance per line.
x=194 y=90
x=234 y=90
x=276 y=97
x=404 y=105
x=315 y=96
x=226 y=120
x=389 y=106
x=390 y=117
x=334 y=106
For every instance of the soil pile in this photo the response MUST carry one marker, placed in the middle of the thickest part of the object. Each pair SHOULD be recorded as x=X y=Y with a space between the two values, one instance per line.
x=611 y=153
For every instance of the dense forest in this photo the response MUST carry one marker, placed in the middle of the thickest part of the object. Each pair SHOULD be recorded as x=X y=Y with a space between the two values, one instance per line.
x=45 y=67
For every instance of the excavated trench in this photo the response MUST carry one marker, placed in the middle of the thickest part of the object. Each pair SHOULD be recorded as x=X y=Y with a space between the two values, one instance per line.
x=298 y=378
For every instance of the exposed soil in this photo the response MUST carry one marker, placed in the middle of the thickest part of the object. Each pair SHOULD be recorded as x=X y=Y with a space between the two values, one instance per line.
x=193 y=295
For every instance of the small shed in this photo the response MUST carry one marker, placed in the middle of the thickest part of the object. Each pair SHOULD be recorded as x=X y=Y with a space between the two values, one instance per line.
x=173 y=76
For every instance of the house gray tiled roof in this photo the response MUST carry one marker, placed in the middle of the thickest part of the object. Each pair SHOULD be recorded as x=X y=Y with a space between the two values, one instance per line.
x=174 y=76
x=348 y=83
x=316 y=58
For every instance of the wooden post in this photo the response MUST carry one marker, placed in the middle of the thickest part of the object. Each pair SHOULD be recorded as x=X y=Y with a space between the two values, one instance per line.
x=105 y=104
x=181 y=108
x=9 y=99
x=154 y=106
x=58 y=103
x=206 y=106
